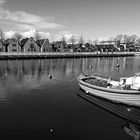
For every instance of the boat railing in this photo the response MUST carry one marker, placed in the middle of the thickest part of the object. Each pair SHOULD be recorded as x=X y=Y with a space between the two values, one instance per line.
x=101 y=76
x=137 y=74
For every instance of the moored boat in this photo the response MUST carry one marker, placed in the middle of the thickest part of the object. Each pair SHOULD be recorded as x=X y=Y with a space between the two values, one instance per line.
x=126 y=91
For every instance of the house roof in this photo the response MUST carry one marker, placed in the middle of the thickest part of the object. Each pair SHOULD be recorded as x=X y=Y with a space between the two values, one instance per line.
x=8 y=41
x=40 y=42
x=23 y=41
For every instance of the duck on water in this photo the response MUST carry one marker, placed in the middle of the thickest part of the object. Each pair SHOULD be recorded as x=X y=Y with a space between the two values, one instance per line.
x=126 y=91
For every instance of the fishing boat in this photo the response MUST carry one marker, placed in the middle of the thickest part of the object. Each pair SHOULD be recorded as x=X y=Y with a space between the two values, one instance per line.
x=125 y=91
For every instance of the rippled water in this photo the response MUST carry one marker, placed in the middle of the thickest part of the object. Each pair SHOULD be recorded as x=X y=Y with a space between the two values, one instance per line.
x=34 y=106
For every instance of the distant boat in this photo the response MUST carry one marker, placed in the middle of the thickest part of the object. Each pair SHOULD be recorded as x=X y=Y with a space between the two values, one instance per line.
x=126 y=91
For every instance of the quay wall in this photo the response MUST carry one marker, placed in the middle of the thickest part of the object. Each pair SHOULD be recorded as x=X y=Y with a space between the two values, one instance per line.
x=41 y=55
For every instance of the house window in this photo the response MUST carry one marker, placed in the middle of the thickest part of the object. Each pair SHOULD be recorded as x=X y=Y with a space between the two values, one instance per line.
x=14 y=50
x=14 y=45
x=32 y=46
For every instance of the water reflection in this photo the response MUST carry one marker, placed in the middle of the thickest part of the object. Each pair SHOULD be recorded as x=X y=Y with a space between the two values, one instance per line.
x=29 y=74
x=131 y=129
x=130 y=116
x=37 y=103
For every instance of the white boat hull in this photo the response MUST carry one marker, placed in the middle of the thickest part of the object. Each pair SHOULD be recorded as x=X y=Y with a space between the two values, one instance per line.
x=130 y=99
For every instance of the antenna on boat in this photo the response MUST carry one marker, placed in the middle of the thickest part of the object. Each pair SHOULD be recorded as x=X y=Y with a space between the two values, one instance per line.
x=109 y=79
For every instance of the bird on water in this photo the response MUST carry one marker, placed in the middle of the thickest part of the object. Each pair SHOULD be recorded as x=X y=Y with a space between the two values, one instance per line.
x=118 y=65
x=90 y=66
x=50 y=76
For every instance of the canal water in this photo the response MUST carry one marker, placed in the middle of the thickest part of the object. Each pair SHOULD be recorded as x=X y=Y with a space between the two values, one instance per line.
x=35 y=105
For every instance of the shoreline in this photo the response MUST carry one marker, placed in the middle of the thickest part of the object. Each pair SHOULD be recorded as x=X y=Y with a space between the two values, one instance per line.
x=6 y=55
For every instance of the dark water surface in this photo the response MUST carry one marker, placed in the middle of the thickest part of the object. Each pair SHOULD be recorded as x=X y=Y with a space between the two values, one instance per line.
x=34 y=106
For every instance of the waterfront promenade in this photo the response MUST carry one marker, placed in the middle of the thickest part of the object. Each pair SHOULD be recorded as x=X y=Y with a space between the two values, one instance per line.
x=42 y=55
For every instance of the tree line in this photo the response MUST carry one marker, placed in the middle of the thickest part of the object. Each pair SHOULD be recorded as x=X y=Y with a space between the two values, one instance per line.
x=121 y=38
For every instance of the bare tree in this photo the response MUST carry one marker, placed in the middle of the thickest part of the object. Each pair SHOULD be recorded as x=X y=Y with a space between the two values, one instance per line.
x=133 y=39
x=37 y=36
x=63 y=39
x=138 y=41
x=89 y=41
x=2 y=35
x=127 y=39
x=95 y=43
x=72 y=40
x=81 y=40
x=119 y=38
x=18 y=36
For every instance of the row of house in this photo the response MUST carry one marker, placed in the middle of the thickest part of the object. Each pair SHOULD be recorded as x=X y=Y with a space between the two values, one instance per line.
x=113 y=46
x=43 y=45
x=26 y=45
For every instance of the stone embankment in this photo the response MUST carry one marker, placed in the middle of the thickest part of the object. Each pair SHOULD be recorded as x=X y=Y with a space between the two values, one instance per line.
x=6 y=55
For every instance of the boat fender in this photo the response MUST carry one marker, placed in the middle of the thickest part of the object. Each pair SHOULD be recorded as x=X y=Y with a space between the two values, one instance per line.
x=87 y=92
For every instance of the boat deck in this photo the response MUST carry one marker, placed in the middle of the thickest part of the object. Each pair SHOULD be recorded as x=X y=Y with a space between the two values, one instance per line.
x=97 y=82
x=105 y=83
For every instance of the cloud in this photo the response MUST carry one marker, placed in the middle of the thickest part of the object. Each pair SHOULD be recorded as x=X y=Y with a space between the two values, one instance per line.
x=67 y=35
x=28 y=34
x=9 y=34
x=102 y=39
x=24 y=21
x=31 y=33
x=23 y=27
x=2 y=1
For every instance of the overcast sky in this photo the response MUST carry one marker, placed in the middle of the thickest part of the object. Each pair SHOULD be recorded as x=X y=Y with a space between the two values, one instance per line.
x=89 y=18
